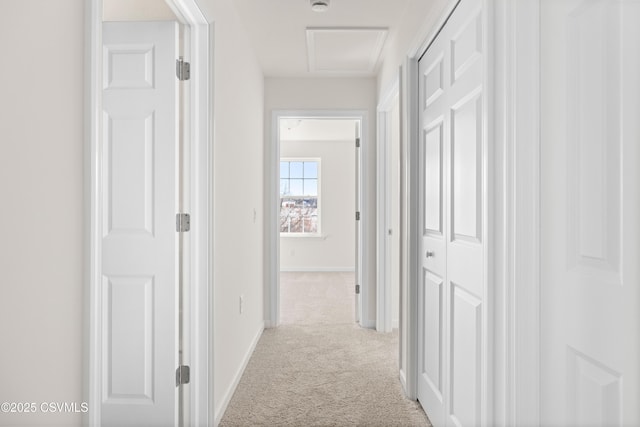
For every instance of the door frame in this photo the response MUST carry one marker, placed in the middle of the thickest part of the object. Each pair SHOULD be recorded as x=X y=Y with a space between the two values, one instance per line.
x=272 y=192
x=515 y=203
x=384 y=311
x=513 y=91
x=199 y=169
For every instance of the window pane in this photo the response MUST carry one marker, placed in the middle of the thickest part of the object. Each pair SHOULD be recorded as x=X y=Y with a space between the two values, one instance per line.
x=310 y=187
x=284 y=187
x=296 y=187
x=310 y=169
x=299 y=215
x=284 y=169
x=296 y=169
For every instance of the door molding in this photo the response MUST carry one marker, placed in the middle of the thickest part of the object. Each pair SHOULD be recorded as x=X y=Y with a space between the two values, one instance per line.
x=272 y=192
x=383 y=177
x=200 y=167
x=515 y=186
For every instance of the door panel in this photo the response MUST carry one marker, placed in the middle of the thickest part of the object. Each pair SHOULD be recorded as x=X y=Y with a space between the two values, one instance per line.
x=466 y=146
x=129 y=339
x=433 y=183
x=590 y=208
x=451 y=310
x=129 y=197
x=139 y=252
x=465 y=355
x=434 y=332
x=432 y=295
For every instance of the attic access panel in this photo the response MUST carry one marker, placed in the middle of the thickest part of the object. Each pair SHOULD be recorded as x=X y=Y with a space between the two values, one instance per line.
x=350 y=50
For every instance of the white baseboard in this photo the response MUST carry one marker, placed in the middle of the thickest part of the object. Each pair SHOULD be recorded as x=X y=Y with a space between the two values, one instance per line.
x=317 y=269
x=219 y=412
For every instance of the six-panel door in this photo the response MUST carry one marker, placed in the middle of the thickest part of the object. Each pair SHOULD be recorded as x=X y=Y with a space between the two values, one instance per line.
x=139 y=240
x=452 y=327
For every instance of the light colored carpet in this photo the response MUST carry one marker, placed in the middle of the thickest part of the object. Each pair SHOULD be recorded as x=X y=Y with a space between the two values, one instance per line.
x=313 y=298
x=316 y=372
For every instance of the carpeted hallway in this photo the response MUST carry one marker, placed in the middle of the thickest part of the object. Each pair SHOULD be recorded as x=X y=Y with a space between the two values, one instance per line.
x=320 y=369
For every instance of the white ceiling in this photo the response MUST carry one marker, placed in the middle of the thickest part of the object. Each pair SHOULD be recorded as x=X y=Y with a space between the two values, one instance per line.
x=346 y=40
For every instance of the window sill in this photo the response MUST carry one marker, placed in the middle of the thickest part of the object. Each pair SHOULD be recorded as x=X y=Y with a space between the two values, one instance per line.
x=305 y=235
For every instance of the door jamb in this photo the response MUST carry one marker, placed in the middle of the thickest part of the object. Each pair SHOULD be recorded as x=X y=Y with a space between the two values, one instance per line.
x=383 y=281
x=200 y=173
x=272 y=293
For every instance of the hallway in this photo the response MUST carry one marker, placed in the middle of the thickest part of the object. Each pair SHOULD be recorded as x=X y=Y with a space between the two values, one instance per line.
x=319 y=368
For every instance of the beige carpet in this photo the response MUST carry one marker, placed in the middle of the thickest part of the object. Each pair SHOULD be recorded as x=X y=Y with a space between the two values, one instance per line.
x=313 y=371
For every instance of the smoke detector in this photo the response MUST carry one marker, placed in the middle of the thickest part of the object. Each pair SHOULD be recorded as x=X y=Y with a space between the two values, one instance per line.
x=319 y=5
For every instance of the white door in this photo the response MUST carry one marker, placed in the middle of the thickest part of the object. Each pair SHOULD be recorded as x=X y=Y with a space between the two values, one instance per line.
x=451 y=294
x=590 y=213
x=139 y=251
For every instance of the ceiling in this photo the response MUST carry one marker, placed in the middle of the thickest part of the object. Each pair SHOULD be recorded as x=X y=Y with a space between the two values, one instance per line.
x=347 y=40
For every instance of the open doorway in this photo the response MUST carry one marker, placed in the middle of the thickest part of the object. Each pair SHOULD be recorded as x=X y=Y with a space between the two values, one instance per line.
x=317 y=227
x=390 y=207
x=147 y=167
x=322 y=230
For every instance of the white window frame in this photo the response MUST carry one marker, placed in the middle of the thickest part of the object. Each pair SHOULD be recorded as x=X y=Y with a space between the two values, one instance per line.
x=318 y=160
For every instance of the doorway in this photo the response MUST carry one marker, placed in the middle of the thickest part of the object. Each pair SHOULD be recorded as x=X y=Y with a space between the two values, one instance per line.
x=389 y=207
x=317 y=227
x=149 y=297
x=288 y=161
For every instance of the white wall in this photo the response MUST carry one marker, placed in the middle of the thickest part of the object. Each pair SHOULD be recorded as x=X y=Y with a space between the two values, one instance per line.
x=333 y=93
x=417 y=21
x=238 y=198
x=335 y=249
x=41 y=214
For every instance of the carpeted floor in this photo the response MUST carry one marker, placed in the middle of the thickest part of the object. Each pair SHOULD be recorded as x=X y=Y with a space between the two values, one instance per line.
x=315 y=371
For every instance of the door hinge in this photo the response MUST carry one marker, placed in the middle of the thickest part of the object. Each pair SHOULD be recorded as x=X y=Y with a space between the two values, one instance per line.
x=183 y=69
x=182 y=375
x=357 y=142
x=183 y=222
x=358 y=216
x=357 y=289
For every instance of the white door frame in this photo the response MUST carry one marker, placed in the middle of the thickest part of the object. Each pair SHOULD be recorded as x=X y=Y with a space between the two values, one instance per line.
x=383 y=182
x=512 y=83
x=200 y=167
x=516 y=211
x=272 y=191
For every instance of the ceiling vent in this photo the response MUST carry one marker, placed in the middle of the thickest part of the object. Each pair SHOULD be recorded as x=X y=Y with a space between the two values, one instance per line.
x=319 y=5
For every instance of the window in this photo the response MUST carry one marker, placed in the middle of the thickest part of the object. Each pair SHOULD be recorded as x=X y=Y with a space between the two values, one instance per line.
x=299 y=196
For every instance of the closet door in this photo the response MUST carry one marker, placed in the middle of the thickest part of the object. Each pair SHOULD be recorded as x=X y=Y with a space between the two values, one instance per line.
x=452 y=325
